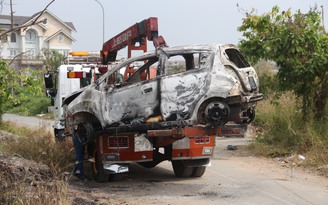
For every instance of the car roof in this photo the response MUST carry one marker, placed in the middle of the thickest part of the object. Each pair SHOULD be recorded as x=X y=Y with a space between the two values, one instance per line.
x=169 y=50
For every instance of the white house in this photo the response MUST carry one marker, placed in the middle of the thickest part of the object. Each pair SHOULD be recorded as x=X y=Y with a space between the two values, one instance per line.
x=24 y=45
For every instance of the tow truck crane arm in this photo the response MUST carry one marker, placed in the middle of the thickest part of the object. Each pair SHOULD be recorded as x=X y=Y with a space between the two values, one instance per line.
x=137 y=33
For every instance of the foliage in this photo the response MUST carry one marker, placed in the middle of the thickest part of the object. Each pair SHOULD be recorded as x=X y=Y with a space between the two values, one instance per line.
x=299 y=45
x=36 y=145
x=8 y=83
x=39 y=145
x=53 y=59
x=282 y=132
x=29 y=98
x=31 y=81
x=29 y=105
x=267 y=77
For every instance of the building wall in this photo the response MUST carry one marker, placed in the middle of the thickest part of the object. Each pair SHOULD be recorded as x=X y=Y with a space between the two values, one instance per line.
x=47 y=37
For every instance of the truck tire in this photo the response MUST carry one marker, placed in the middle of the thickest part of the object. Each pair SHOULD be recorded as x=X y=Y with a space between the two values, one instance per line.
x=85 y=132
x=87 y=167
x=59 y=135
x=117 y=177
x=98 y=170
x=198 y=171
x=181 y=170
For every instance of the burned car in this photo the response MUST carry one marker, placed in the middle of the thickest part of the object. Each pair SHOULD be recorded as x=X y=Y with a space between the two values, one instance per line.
x=207 y=85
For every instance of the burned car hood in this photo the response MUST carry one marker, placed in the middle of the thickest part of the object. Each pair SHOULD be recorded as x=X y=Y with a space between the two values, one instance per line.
x=72 y=96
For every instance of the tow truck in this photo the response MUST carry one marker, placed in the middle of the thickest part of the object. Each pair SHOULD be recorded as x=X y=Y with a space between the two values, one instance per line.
x=147 y=138
x=77 y=71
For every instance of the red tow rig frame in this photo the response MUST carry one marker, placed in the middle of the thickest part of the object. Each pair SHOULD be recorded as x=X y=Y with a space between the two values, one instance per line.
x=135 y=38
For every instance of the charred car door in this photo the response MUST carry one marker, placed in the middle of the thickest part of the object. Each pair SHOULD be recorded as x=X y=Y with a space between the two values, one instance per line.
x=184 y=83
x=136 y=99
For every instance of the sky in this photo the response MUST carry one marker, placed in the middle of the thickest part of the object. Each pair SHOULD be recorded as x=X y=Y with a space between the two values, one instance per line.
x=180 y=22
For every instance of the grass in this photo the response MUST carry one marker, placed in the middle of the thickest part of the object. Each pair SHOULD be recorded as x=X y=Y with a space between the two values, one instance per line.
x=29 y=105
x=39 y=146
x=282 y=132
x=21 y=193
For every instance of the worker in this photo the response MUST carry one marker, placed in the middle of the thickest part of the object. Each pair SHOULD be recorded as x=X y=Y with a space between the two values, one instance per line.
x=79 y=157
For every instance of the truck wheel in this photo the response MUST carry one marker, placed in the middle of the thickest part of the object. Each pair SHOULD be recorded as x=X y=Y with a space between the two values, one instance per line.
x=198 y=171
x=117 y=177
x=85 y=132
x=98 y=170
x=180 y=170
x=88 y=170
x=59 y=135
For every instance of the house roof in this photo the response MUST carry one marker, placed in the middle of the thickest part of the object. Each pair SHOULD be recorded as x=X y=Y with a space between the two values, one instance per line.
x=57 y=33
x=5 y=21
x=21 y=20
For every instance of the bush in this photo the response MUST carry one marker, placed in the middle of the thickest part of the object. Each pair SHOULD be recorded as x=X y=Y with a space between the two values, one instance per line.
x=282 y=131
x=39 y=145
x=29 y=105
x=34 y=184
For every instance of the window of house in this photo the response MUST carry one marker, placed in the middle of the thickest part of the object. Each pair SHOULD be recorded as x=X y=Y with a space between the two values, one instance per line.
x=13 y=52
x=13 y=37
x=64 y=52
x=31 y=36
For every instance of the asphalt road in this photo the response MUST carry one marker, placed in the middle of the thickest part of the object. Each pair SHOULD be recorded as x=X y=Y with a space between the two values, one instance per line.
x=234 y=177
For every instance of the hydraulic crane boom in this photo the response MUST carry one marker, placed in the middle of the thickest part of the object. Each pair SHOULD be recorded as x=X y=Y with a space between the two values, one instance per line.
x=138 y=33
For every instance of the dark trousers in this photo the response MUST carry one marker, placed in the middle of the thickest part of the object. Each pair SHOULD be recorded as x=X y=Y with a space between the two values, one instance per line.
x=79 y=157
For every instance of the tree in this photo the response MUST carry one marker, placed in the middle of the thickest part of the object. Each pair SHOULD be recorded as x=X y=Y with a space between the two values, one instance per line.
x=35 y=21
x=8 y=77
x=53 y=59
x=8 y=80
x=298 y=43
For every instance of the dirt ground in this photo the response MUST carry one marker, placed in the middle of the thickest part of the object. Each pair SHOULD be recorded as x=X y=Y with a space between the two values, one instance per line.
x=234 y=177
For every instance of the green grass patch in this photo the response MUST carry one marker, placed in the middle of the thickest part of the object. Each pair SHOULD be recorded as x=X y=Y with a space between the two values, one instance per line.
x=29 y=105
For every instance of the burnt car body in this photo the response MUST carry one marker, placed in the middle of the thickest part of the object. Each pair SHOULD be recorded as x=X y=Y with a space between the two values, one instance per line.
x=207 y=85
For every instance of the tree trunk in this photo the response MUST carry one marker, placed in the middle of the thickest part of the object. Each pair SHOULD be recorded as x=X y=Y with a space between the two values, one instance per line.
x=320 y=103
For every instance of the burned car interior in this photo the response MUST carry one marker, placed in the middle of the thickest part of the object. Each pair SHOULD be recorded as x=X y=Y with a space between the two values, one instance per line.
x=177 y=63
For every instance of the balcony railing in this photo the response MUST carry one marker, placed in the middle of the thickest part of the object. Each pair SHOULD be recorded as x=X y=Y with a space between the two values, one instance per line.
x=31 y=60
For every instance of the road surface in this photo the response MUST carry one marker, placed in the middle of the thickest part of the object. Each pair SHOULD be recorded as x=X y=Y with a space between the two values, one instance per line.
x=28 y=121
x=234 y=177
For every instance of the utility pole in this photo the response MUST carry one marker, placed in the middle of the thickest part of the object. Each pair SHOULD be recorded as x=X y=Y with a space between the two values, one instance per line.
x=103 y=12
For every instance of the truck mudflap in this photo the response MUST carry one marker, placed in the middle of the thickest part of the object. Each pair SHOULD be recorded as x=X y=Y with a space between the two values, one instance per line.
x=116 y=168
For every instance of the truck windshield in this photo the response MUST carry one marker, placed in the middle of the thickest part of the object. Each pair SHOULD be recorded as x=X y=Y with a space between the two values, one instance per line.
x=87 y=81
